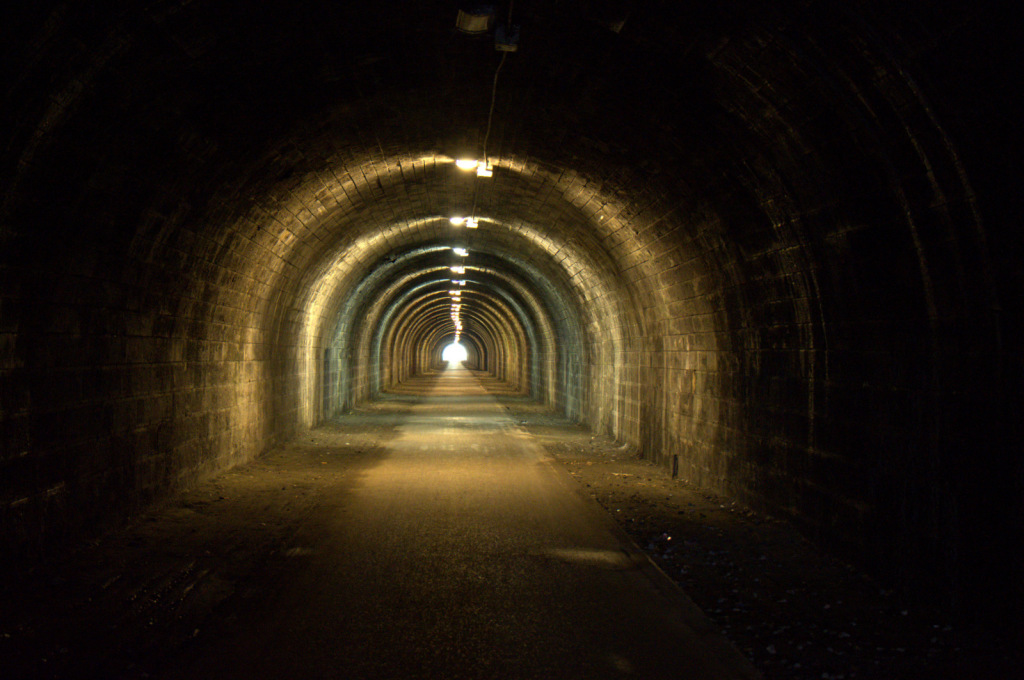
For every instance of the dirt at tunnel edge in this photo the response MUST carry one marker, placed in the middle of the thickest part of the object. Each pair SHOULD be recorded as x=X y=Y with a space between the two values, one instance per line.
x=795 y=612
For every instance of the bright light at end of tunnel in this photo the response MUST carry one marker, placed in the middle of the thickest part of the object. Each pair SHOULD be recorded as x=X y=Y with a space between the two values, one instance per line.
x=466 y=164
x=461 y=252
x=457 y=221
x=458 y=270
x=454 y=353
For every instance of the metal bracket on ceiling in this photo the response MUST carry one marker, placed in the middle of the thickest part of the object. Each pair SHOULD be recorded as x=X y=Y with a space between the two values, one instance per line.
x=506 y=38
x=475 y=18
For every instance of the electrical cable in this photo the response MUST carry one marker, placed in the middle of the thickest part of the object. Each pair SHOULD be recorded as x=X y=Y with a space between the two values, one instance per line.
x=490 y=113
x=494 y=96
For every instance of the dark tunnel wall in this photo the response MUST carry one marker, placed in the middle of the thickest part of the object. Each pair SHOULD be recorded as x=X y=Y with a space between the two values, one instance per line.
x=777 y=241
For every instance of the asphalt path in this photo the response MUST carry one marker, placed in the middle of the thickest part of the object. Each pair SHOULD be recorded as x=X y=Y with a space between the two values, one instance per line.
x=462 y=552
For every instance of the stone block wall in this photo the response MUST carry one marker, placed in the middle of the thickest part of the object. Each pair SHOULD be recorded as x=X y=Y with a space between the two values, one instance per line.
x=774 y=245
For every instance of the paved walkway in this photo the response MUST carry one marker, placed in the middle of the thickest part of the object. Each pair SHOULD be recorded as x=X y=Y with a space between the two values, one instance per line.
x=451 y=548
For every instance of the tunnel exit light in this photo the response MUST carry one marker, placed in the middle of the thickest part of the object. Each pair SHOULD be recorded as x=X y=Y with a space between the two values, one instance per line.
x=458 y=270
x=466 y=164
x=461 y=252
x=454 y=353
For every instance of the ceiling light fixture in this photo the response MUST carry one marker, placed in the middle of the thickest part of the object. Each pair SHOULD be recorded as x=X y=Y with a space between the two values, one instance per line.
x=475 y=18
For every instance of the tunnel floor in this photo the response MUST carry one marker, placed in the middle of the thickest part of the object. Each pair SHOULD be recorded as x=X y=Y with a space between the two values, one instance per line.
x=425 y=536
x=436 y=533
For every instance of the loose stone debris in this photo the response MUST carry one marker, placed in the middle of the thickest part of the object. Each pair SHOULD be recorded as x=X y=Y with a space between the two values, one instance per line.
x=796 y=613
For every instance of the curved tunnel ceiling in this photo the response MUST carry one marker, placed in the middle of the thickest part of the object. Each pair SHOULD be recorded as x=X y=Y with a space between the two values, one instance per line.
x=569 y=266
x=745 y=237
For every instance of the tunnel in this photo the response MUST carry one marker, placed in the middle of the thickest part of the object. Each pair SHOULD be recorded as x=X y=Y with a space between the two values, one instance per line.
x=774 y=248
